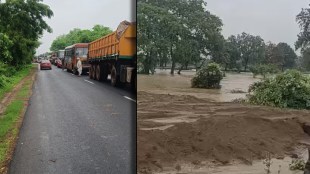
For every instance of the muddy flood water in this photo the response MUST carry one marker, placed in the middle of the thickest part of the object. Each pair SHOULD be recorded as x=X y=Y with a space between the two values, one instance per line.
x=189 y=130
x=163 y=83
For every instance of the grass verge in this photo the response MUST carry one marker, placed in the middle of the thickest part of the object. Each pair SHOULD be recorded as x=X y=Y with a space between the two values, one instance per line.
x=14 y=80
x=11 y=119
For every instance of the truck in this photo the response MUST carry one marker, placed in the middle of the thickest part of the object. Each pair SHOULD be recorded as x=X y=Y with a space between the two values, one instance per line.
x=72 y=53
x=115 y=55
x=61 y=54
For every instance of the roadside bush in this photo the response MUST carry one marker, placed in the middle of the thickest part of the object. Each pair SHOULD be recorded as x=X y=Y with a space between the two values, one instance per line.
x=290 y=89
x=7 y=70
x=3 y=81
x=208 y=77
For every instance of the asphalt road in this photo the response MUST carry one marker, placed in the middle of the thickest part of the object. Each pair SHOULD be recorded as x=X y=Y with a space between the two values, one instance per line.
x=76 y=125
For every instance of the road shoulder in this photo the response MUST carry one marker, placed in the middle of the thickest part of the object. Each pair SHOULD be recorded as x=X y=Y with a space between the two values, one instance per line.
x=14 y=106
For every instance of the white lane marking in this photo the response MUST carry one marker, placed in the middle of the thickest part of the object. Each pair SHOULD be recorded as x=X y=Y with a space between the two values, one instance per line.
x=130 y=99
x=88 y=81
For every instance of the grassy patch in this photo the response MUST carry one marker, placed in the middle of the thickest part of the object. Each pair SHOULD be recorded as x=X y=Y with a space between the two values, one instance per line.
x=7 y=122
x=24 y=91
x=10 y=120
x=14 y=80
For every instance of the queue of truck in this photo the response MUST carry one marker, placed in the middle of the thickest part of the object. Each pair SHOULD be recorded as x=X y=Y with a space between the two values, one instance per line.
x=112 y=55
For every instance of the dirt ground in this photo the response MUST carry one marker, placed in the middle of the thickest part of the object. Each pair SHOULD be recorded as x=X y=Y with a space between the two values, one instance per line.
x=176 y=129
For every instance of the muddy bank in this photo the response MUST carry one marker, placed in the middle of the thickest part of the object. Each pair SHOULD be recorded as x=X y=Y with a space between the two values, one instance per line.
x=178 y=129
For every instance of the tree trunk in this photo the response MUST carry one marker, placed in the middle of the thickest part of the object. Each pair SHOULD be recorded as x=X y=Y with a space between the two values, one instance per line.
x=172 y=67
x=246 y=64
x=161 y=62
x=146 y=66
x=181 y=68
x=152 y=66
x=173 y=61
x=198 y=67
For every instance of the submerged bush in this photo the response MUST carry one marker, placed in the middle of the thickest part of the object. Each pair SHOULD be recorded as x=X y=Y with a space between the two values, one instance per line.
x=208 y=76
x=297 y=164
x=290 y=89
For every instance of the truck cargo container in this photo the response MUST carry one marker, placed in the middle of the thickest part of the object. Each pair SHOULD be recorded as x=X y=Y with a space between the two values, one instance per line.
x=72 y=53
x=115 y=54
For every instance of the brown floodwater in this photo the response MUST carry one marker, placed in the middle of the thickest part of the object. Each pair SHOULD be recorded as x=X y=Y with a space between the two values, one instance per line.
x=163 y=83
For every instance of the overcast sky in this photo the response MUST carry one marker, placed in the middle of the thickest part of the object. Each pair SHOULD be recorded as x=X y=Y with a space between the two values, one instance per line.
x=69 y=14
x=273 y=20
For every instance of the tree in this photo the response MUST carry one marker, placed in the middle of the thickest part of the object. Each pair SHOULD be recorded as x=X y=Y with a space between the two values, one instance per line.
x=5 y=45
x=271 y=54
x=252 y=49
x=303 y=38
x=23 y=22
x=233 y=53
x=305 y=59
x=169 y=26
x=287 y=56
x=281 y=55
x=79 y=36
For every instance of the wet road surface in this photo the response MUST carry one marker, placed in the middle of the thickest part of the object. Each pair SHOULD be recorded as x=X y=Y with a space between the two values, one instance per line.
x=76 y=125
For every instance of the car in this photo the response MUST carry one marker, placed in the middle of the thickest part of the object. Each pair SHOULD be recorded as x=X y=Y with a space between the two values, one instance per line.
x=58 y=63
x=45 y=64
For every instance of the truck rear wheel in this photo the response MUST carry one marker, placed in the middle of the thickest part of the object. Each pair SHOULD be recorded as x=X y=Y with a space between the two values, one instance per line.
x=113 y=77
x=93 y=72
x=90 y=71
x=105 y=72
x=98 y=73
x=133 y=83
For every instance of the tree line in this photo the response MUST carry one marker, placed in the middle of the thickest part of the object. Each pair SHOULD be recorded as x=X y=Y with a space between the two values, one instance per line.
x=21 y=25
x=79 y=36
x=184 y=32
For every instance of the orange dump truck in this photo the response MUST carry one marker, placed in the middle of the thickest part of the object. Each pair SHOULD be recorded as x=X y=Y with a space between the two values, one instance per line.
x=115 y=54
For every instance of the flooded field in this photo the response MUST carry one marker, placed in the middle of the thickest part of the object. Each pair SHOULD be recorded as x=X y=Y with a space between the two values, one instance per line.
x=186 y=130
x=163 y=83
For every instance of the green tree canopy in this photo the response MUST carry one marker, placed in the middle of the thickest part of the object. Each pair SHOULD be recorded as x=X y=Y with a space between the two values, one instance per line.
x=5 y=45
x=252 y=49
x=233 y=53
x=167 y=28
x=287 y=56
x=79 y=36
x=305 y=59
x=303 y=19
x=22 y=21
